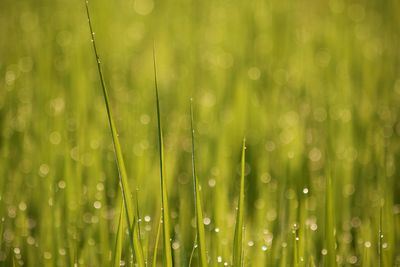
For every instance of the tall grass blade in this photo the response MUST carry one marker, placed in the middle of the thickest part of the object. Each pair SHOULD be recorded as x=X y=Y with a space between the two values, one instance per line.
x=164 y=194
x=312 y=262
x=1 y=230
x=330 y=222
x=134 y=238
x=380 y=238
x=156 y=244
x=296 y=257
x=198 y=202
x=238 y=239
x=14 y=262
x=120 y=238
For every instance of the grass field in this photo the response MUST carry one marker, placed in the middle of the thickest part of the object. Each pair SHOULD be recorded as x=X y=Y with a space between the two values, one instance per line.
x=148 y=177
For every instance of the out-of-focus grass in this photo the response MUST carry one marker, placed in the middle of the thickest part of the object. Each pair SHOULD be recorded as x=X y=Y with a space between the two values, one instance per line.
x=237 y=251
x=311 y=84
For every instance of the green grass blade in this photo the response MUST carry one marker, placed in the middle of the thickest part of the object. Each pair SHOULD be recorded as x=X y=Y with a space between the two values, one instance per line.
x=126 y=195
x=238 y=239
x=164 y=194
x=312 y=262
x=296 y=257
x=156 y=244
x=284 y=256
x=330 y=223
x=380 y=237
x=198 y=202
x=120 y=238
x=14 y=261
x=1 y=230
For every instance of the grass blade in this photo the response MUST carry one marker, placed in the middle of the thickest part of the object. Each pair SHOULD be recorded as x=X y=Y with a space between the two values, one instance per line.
x=164 y=194
x=14 y=262
x=198 y=202
x=123 y=178
x=296 y=257
x=156 y=244
x=1 y=230
x=120 y=238
x=238 y=239
x=380 y=237
x=312 y=262
x=330 y=222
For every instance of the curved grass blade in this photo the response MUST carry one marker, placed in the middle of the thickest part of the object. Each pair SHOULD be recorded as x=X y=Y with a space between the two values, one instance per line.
x=134 y=238
x=164 y=194
x=238 y=239
x=198 y=202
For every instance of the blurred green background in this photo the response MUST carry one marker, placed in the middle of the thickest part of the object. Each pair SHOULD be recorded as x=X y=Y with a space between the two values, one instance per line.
x=313 y=85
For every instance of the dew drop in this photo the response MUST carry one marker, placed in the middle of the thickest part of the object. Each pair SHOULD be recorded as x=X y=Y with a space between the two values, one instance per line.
x=97 y=204
x=206 y=221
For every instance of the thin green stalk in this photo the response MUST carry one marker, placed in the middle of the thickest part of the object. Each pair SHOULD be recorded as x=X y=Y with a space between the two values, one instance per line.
x=14 y=261
x=198 y=202
x=1 y=230
x=156 y=244
x=134 y=238
x=330 y=222
x=380 y=238
x=164 y=194
x=120 y=238
x=238 y=239
x=312 y=262
x=296 y=257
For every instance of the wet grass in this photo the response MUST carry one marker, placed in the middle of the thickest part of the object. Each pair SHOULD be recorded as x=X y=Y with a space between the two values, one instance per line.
x=127 y=203
x=314 y=86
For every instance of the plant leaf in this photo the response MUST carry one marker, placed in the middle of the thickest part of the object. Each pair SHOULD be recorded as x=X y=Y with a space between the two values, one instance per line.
x=164 y=194
x=156 y=244
x=134 y=237
x=120 y=238
x=238 y=239
x=198 y=202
